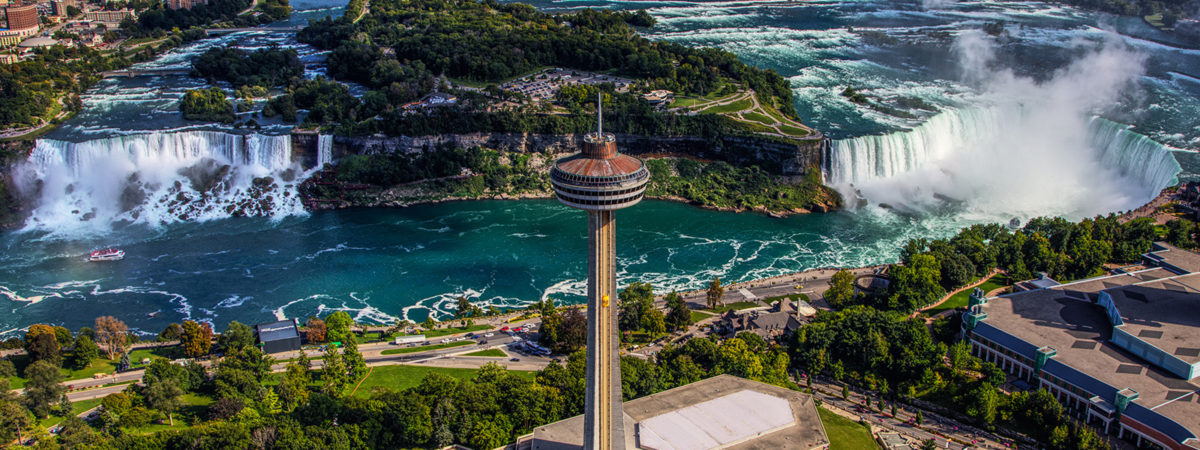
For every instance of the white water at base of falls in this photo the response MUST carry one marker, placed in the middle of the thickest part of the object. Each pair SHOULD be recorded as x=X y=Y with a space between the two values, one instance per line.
x=324 y=150
x=158 y=178
x=1000 y=162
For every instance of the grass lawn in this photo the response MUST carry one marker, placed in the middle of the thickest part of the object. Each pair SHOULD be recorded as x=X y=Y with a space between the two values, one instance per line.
x=76 y=408
x=193 y=408
x=959 y=300
x=400 y=351
x=489 y=353
x=454 y=330
x=699 y=315
x=845 y=433
x=740 y=105
x=756 y=117
x=402 y=377
x=733 y=306
x=793 y=131
x=684 y=102
x=97 y=366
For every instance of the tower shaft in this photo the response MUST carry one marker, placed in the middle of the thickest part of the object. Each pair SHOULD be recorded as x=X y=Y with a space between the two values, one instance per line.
x=604 y=426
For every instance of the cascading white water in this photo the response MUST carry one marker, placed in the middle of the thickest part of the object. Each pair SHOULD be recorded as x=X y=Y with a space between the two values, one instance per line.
x=324 y=150
x=159 y=178
x=997 y=161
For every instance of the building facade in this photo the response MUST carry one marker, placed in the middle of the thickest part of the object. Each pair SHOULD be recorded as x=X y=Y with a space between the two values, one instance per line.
x=20 y=18
x=108 y=16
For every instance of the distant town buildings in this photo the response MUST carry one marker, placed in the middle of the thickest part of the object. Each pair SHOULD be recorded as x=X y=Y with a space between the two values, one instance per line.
x=61 y=6
x=108 y=16
x=21 y=17
x=184 y=4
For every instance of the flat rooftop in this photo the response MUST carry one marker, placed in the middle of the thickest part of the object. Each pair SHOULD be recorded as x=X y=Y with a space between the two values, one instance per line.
x=1066 y=318
x=1175 y=257
x=720 y=412
x=1163 y=313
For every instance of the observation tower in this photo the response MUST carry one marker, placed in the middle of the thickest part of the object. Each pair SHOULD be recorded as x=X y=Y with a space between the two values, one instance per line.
x=600 y=181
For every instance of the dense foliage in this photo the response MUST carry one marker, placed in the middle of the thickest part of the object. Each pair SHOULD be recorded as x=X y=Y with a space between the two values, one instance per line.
x=160 y=19
x=493 y=41
x=266 y=67
x=206 y=104
x=740 y=188
x=28 y=89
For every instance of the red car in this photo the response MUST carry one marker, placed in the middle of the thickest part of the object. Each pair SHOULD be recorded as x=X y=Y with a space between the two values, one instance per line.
x=504 y=329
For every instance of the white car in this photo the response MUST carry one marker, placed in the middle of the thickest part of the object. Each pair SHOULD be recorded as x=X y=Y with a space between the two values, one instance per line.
x=489 y=335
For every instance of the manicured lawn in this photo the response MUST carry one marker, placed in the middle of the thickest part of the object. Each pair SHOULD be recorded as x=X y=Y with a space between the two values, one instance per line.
x=698 y=316
x=454 y=330
x=193 y=409
x=845 y=433
x=793 y=131
x=400 y=351
x=733 y=306
x=403 y=377
x=97 y=366
x=756 y=117
x=489 y=353
x=740 y=105
x=960 y=299
x=76 y=408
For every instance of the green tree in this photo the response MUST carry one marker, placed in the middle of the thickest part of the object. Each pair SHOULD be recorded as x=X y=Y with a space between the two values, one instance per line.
x=679 y=316
x=715 y=294
x=915 y=284
x=654 y=322
x=338 y=325
x=236 y=336
x=334 y=373
x=356 y=366
x=637 y=299
x=172 y=332
x=14 y=418
x=43 y=391
x=464 y=307
x=982 y=403
x=83 y=352
x=841 y=289
x=196 y=339
x=429 y=324
x=293 y=388
x=75 y=433
x=41 y=344
x=164 y=396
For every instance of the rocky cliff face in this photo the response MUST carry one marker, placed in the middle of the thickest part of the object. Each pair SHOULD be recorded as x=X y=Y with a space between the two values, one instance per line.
x=789 y=158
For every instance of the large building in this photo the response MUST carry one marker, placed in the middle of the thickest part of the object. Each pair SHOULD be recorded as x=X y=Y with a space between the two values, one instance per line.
x=278 y=337
x=1121 y=352
x=722 y=412
x=60 y=7
x=600 y=180
x=21 y=17
x=108 y=16
x=184 y=4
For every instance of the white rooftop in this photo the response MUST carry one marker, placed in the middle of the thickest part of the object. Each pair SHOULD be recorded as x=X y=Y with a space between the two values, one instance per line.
x=717 y=423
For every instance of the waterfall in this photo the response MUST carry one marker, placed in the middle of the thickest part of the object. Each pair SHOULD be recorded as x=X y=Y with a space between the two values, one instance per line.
x=1133 y=154
x=1005 y=160
x=324 y=150
x=159 y=178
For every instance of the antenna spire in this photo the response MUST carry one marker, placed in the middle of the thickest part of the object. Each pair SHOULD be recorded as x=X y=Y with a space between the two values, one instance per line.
x=600 y=112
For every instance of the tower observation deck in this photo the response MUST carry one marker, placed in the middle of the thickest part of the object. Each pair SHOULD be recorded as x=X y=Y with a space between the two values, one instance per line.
x=600 y=180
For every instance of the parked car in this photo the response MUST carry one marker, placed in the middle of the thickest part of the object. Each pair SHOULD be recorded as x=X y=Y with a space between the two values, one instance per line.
x=515 y=359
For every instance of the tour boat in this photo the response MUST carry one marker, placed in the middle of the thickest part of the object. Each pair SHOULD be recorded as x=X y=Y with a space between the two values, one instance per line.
x=108 y=254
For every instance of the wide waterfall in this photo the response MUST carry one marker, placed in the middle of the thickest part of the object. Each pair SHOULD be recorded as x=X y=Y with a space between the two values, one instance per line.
x=159 y=178
x=1002 y=161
